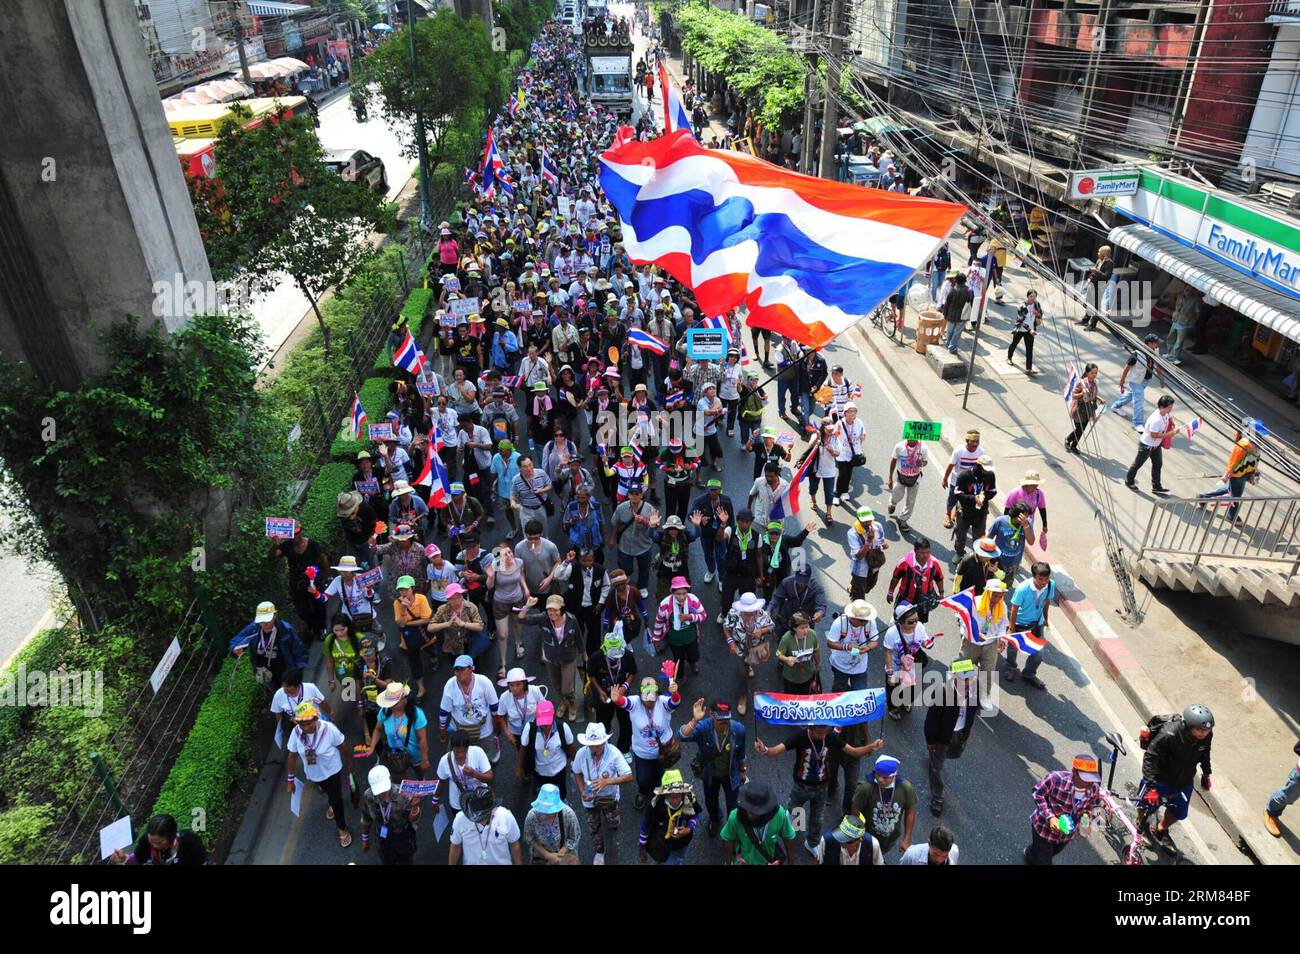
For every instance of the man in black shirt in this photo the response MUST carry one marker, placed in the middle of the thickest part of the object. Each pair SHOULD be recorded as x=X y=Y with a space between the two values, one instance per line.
x=301 y=552
x=975 y=490
x=1135 y=395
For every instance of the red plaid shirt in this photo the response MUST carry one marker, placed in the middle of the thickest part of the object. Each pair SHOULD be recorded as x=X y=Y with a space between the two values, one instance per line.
x=1054 y=795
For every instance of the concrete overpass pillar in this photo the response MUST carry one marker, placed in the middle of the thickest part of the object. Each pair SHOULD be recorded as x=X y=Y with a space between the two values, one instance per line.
x=94 y=211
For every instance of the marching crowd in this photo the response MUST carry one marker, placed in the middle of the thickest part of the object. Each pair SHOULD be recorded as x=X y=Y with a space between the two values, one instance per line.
x=555 y=463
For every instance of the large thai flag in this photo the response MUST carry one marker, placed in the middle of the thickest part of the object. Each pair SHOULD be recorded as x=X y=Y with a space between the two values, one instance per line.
x=791 y=498
x=1027 y=641
x=434 y=476
x=963 y=604
x=647 y=341
x=675 y=116
x=359 y=417
x=409 y=357
x=550 y=171
x=808 y=257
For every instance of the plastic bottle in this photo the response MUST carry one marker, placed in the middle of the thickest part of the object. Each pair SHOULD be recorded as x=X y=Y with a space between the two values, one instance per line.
x=1085 y=825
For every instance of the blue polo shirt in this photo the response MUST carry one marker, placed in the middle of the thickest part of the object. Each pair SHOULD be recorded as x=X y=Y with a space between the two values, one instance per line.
x=1030 y=603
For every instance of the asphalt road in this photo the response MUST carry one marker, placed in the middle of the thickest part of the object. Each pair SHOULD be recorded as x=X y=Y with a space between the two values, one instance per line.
x=988 y=791
x=29 y=594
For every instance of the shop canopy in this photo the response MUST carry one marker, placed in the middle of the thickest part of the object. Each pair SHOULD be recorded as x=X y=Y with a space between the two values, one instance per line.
x=264 y=8
x=1253 y=299
x=880 y=126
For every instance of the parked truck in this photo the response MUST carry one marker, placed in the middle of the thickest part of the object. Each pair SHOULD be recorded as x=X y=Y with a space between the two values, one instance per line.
x=608 y=66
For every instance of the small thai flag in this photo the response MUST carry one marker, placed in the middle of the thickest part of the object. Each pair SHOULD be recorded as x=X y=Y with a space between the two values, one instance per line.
x=513 y=107
x=796 y=482
x=1027 y=641
x=550 y=171
x=1069 y=385
x=436 y=440
x=963 y=604
x=1193 y=426
x=359 y=417
x=674 y=397
x=470 y=176
x=409 y=357
x=1257 y=426
x=507 y=187
x=719 y=323
x=646 y=341
x=855 y=392
x=512 y=381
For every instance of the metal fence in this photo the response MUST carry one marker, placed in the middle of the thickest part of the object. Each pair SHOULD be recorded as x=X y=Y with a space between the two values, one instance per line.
x=1266 y=530
x=128 y=769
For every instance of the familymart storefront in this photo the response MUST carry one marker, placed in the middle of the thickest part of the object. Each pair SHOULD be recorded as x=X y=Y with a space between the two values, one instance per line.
x=1244 y=260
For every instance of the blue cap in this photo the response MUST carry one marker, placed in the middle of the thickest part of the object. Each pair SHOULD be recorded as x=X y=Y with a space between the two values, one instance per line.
x=886 y=765
x=465 y=661
x=457 y=488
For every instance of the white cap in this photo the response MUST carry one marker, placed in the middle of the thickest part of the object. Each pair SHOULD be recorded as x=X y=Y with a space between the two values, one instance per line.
x=265 y=612
x=379 y=779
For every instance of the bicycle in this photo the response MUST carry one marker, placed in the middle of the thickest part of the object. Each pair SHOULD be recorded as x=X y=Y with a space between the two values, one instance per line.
x=887 y=319
x=1116 y=818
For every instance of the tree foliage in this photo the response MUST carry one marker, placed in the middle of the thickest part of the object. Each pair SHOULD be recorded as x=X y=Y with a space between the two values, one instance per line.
x=275 y=207
x=457 y=69
x=754 y=61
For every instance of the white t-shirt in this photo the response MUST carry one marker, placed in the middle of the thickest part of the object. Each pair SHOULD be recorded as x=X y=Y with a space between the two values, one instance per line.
x=827 y=455
x=549 y=752
x=851 y=439
x=612 y=764
x=474 y=709
x=842 y=632
x=963 y=460
x=1154 y=429
x=454 y=773
x=909 y=460
x=309 y=692
x=651 y=726
x=920 y=855
x=764 y=496
x=352 y=599
x=323 y=744
x=486 y=844
x=519 y=712
x=482 y=456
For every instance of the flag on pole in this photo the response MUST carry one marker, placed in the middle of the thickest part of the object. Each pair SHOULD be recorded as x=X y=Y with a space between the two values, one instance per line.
x=359 y=417
x=675 y=116
x=646 y=341
x=409 y=357
x=791 y=496
x=1193 y=426
x=963 y=604
x=808 y=258
x=550 y=171
x=1027 y=641
x=1069 y=384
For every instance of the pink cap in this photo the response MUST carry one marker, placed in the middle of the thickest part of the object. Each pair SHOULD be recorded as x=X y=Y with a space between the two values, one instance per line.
x=432 y=550
x=679 y=583
x=545 y=713
x=454 y=589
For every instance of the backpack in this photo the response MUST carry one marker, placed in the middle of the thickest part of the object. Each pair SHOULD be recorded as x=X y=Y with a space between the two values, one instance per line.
x=530 y=750
x=942 y=259
x=498 y=426
x=1153 y=727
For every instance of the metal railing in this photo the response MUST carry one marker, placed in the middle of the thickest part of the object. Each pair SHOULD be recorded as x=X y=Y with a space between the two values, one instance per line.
x=1265 y=530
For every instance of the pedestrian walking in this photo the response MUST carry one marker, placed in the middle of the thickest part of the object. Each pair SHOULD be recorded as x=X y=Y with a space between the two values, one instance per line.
x=904 y=645
x=747 y=628
x=888 y=804
x=949 y=721
x=759 y=830
x=390 y=815
x=1082 y=406
x=1061 y=800
x=678 y=624
x=1132 y=393
x=867 y=545
x=485 y=833
x=975 y=491
x=1030 y=603
x=720 y=764
x=1029 y=318
x=799 y=654
x=1157 y=433
x=849 y=843
x=1284 y=796
x=669 y=821
x=939 y=849
x=850 y=638
x=652 y=733
x=904 y=479
x=317 y=745
x=599 y=769
x=1242 y=469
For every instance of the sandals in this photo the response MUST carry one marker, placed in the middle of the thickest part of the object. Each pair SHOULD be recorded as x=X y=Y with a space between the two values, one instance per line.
x=345 y=838
x=519 y=650
x=936 y=807
x=501 y=673
x=329 y=813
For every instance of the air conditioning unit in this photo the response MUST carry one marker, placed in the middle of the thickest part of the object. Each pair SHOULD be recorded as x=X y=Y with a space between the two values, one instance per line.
x=1280 y=195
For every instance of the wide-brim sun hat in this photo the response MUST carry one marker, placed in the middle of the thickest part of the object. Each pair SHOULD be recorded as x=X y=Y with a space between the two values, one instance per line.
x=679 y=583
x=860 y=609
x=757 y=798
x=987 y=547
x=594 y=734
x=393 y=693
x=349 y=502
x=1031 y=479
x=548 y=800
x=749 y=603
x=347 y=564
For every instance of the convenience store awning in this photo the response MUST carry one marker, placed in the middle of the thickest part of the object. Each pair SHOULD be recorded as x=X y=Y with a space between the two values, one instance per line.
x=1238 y=291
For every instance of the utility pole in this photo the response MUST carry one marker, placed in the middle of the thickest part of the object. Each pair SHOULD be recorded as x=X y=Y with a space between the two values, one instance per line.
x=831 y=114
x=243 y=56
x=426 y=213
x=810 y=94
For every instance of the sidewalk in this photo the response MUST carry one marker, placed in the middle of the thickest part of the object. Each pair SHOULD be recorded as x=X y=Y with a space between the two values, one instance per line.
x=1187 y=648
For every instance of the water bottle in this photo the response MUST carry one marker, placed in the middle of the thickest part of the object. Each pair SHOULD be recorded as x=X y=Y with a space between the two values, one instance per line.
x=1085 y=825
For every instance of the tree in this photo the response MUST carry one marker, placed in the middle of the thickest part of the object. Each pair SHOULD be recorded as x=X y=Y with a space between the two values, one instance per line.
x=456 y=70
x=274 y=207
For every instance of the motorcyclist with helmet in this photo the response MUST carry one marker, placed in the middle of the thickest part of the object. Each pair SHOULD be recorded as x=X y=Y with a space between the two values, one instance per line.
x=1176 y=748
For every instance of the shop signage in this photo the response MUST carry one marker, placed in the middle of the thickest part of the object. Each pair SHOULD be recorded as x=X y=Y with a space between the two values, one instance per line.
x=1103 y=183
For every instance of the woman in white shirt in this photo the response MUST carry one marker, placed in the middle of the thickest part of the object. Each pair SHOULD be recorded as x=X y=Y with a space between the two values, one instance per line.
x=852 y=445
x=828 y=451
x=316 y=743
x=518 y=704
x=729 y=388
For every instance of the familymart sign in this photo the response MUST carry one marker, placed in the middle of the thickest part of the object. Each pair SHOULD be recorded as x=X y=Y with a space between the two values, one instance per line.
x=1264 y=246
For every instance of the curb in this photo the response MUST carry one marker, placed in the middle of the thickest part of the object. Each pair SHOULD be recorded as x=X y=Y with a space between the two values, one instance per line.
x=1224 y=801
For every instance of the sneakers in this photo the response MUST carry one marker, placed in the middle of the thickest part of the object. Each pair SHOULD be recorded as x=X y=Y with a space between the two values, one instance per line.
x=742 y=704
x=1131 y=485
x=708 y=576
x=645 y=593
x=835 y=502
x=598 y=858
x=1270 y=822
x=1035 y=682
x=814 y=850
x=1157 y=489
x=891 y=506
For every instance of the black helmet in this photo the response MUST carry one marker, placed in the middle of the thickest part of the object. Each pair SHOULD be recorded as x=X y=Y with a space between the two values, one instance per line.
x=1198 y=717
x=479 y=804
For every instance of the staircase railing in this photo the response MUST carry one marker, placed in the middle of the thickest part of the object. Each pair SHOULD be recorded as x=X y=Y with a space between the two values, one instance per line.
x=1265 y=530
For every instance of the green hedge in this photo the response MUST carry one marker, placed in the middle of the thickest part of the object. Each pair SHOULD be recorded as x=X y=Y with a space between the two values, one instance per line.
x=320 y=510
x=215 y=752
x=375 y=399
x=43 y=654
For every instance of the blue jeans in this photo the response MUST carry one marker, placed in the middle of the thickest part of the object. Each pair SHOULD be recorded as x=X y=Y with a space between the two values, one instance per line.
x=676 y=856
x=714 y=552
x=936 y=282
x=1236 y=487
x=844 y=681
x=784 y=388
x=1035 y=659
x=828 y=489
x=642 y=563
x=1286 y=795
x=711 y=791
x=805 y=407
x=954 y=333
x=1136 y=396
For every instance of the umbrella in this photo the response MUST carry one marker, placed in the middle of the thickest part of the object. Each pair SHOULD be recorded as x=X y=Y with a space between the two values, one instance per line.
x=196 y=96
x=292 y=65
x=382 y=28
x=265 y=71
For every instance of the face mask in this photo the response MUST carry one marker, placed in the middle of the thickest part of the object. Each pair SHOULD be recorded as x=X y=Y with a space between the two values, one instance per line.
x=648 y=696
